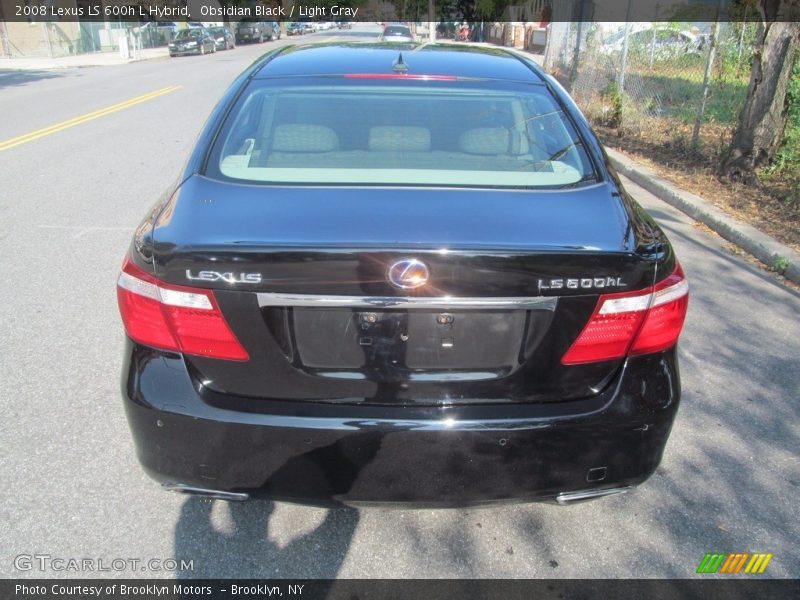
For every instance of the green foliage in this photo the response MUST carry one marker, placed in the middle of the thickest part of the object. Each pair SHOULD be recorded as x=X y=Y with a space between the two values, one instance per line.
x=665 y=78
x=678 y=91
x=780 y=265
x=613 y=118
x=742 y=10
x=485 y=10
x=735 y=51
x=787 y=159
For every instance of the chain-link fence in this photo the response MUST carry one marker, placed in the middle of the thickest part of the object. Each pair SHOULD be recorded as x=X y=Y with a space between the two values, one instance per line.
x=672 y=89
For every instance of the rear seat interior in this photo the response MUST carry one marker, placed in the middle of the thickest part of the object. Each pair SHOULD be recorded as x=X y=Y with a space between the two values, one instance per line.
x=305 y=145
x=360 y=131
x=307 y=138
x=395 y=138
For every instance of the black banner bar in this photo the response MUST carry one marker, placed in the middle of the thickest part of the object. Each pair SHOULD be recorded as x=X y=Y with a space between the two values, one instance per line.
x=733 y=588
x=541 y=11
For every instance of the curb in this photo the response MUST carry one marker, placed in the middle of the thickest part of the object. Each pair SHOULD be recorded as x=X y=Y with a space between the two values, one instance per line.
x=764 y=247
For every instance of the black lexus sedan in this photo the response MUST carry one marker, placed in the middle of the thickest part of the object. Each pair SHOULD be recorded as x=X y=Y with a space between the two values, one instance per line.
x=253 y=30
x=192 y=41
x=399 y=274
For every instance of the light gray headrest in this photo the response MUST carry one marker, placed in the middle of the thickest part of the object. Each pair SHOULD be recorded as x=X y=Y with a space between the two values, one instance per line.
x=399 y=138
x=304 y=138
x=485 y=140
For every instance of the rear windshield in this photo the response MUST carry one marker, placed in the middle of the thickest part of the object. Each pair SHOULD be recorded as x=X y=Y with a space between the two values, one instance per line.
x=187 y=34
x=358 y=132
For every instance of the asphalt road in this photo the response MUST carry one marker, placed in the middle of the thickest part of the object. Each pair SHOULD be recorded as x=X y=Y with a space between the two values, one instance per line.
x=71 y=486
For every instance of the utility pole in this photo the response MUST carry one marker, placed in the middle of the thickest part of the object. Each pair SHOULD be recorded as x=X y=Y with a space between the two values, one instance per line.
x=706 y=79
x=4 y=45
x=577 y=56
x=624 y=66
x=431 y=20
x=653 y=41
x=5 y=49
x=46 y=31
x=741 y=37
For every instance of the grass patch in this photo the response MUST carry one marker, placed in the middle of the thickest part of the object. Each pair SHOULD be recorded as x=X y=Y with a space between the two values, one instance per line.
x=656 y=128
x=653 y=120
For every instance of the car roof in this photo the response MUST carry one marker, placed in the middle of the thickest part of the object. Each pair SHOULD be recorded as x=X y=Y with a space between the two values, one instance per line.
x=421 y=59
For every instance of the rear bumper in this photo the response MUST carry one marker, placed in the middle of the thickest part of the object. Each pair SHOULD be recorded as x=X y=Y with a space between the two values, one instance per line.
x=435 y=456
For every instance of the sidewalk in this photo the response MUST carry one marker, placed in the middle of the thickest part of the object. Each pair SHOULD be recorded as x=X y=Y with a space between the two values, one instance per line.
x=755 y=242
x=94 y=59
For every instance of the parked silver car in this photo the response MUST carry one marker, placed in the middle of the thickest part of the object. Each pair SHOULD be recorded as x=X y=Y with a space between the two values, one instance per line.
x=397 y=33
x=663 y=42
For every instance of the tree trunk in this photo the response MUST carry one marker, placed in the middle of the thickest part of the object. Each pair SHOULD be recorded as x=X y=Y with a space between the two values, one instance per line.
x=763 y=117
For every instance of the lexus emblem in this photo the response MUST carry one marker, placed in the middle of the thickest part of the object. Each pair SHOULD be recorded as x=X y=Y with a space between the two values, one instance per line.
x=408 y=274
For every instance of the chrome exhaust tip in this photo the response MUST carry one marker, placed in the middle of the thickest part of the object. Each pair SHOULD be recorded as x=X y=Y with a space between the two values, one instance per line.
x=565 y=498
x=180 y=488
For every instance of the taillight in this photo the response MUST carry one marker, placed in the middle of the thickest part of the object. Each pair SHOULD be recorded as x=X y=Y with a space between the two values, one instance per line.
x=633 y=323
x=664 y=320
x=173 y=317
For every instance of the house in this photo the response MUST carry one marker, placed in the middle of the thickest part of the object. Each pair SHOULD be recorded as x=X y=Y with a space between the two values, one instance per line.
x=53 y=37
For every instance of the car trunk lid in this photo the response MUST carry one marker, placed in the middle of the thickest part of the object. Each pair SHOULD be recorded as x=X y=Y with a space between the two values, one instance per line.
x=303 y=278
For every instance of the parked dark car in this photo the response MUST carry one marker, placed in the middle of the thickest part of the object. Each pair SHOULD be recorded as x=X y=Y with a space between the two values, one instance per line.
x=248 y=30
x=448 y=300
x=192 y=41
x=223 y=37
x=295 y=28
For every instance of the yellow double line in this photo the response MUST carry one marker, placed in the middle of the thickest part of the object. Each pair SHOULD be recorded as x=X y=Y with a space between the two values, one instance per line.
x=40 y=133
